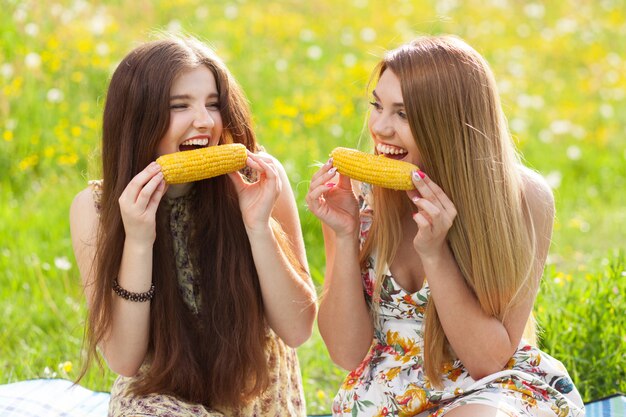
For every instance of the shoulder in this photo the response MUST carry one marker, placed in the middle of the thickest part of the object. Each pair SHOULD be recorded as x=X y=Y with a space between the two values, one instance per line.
x=537 y=193
x=84 y=212
x=539 y=201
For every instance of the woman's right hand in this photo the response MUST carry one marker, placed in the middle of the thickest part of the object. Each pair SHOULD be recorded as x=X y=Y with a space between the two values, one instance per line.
x=139 y=202
x=334 y=204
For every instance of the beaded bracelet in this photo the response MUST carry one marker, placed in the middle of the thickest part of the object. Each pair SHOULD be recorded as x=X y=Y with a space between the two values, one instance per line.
x=133 y=296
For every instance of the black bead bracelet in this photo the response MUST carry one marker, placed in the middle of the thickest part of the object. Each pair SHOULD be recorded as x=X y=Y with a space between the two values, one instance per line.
x=133 y=296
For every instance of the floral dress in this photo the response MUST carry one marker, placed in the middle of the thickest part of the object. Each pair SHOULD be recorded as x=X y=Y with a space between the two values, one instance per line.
x=284 y=397
x=391 y=381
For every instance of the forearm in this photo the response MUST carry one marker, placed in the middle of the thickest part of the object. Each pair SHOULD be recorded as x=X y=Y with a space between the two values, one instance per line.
x=127 y=341
x=344 y=320
x=480 y=341
x=288 y=293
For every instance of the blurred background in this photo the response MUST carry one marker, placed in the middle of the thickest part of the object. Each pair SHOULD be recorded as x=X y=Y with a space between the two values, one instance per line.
x=561 y=72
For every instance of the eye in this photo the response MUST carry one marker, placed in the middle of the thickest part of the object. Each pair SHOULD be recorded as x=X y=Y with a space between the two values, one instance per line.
x=376 y=105
x=213 y=105
x=178 y=106
x=402 y=114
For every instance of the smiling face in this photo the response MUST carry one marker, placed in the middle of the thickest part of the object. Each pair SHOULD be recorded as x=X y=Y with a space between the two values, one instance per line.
x=388 y=123
x=195 y=119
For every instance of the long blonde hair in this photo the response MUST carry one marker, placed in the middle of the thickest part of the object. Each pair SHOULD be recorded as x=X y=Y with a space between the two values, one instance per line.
x=455 y=116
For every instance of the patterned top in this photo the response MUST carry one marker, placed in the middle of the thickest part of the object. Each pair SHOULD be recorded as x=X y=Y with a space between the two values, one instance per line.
x=391 y=381
x=284 y=396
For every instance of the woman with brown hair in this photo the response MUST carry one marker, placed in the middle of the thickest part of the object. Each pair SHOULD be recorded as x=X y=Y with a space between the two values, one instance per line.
x=197 y=293
x=429 y=304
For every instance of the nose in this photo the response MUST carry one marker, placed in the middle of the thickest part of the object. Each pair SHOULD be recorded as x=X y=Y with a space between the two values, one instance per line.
x=381 y=125
x=203 y=119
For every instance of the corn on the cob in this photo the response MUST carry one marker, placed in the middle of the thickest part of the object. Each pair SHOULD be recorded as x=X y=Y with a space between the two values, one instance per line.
x=198 y=164
x=373 y=169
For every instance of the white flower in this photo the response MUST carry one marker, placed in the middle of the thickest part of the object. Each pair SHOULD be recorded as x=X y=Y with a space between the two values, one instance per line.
x=307 y=35
x=102 y=49
x=368 y=34
x=54 y=95
x=347 y=38
x=314 y=52
x=336 y=131
x=31 y=29
x=349 y=60
x=560 y=127
x=518 y=125
x=19 y=15
x=62 y=263
x=32 y=60
x=202 y=12
x=98 y=23
x=534 y=10
x=6 y=70
x=174 y=26
x=606 y=110
x=573 y=152
x=231 y=11
x=281 y=65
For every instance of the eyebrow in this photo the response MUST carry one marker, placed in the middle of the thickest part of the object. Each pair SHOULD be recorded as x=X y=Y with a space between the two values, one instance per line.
x=187 y=96
x=400 y=104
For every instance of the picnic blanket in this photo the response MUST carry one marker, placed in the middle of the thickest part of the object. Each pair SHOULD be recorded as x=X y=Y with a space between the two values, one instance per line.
x=53 y=398
x=61 y=398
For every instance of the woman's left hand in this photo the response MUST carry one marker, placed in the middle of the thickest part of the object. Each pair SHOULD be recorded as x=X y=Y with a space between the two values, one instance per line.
x=434 y=217
x=257 y=199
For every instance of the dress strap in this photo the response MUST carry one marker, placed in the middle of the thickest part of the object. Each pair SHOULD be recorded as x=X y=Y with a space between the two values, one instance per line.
x=366 y=212
x=96 y=192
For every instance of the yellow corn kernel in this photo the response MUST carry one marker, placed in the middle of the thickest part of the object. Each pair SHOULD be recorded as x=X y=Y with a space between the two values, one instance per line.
x=198 y=164
x=374 y=169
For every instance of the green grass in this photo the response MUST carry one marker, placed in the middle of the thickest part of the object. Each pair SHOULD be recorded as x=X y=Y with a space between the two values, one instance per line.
x=304 y=65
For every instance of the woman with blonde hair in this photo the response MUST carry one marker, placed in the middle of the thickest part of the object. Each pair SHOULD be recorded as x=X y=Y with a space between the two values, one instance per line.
x=198 y=292
x=428 y=293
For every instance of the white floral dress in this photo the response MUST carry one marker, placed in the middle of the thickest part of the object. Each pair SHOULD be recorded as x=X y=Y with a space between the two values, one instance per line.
x=391 y=381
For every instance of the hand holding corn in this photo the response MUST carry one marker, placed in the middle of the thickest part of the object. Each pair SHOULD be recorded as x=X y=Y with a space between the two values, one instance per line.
x=374 y=169
x=199 y=164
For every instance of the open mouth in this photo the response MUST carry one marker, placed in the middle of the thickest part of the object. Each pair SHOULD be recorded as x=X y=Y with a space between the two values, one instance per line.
x=392 y=152
x=191 y=144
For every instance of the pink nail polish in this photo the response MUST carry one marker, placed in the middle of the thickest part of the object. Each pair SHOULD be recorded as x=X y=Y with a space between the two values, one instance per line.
x=421 y=174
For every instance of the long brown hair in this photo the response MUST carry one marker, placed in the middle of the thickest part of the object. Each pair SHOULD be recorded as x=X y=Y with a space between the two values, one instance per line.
x=456 y=120
x=217 y=356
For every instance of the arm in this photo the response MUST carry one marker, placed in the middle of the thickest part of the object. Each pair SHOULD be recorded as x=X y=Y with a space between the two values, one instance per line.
x=287 y=290
x=124 y=346
x=344 y=321
x=483 y=343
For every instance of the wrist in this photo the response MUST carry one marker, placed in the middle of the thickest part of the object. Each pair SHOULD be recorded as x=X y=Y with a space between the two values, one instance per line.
x=437 y=256
x=138 y=247
x=259 y=230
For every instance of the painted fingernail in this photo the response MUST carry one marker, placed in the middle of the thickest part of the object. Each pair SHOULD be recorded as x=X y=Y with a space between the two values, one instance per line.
x=330 y=184
x=154 y=167
x=421 y=174
x=329 y=162
x=417 y=176
x=332 y=171
x=415 y=199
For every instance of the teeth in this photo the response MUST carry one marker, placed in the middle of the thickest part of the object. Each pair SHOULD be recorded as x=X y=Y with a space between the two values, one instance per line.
x=390 y=150
x=199 y=142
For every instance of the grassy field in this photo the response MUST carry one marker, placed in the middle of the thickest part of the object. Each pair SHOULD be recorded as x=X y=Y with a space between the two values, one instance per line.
x=561 y=70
